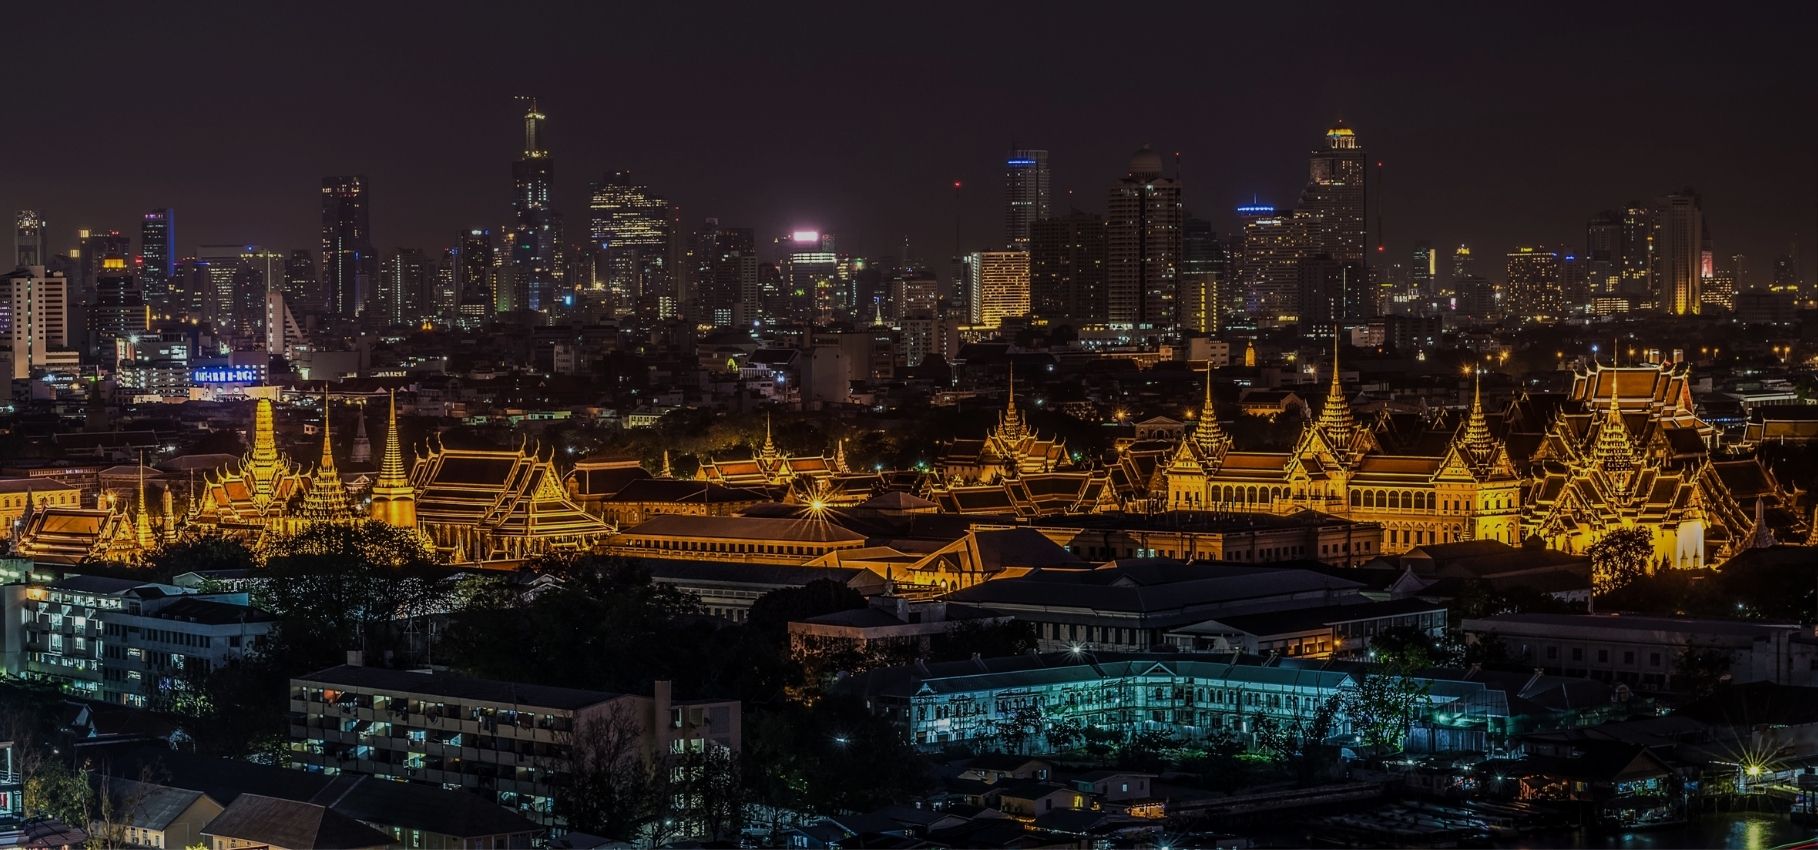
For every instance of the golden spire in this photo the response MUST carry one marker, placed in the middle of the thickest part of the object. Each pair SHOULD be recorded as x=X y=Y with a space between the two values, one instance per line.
x=1335 y=417
x=839 y=455
x=1010 y=424
x=391 y=466
x=668 y=471
x=1477 y=438
x=326 y=499
x=265 y=434
x=142 y=530
x=1209 y=436
x=768 y=453
x=328 y=453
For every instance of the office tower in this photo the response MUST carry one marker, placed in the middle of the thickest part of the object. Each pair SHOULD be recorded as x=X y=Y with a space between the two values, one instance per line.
x=404 y=290
x=997 y=284
x=1463 y=266
x=157 y=255
x=118 y=312
x=914 y=291
x=535 y=242
x=1204 y=278
x=473 y=278
x=724 y=268
x=1274 y=245
x=1786 y=274
x=445 y=296
x=96 y=251
x=34 y=321
x=1331 y=292
x=1739 y=271
x=230 y=291
x=1534 y=287
x=1142 y=245
x=28 y=239
x=1637 y=271
x=808 y=278
x=1574 y=283
x=1602 y=255
x=1067 y=268
x=348 y=262
x=1476 y=297
x=1423 y=273
x=636 y=236
x=301 y=285
x=1333 y=202
x=283 y=335
x=1679 y=252
x=1025 y=195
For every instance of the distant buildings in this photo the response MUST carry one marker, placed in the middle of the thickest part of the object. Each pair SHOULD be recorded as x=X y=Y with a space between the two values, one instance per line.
x=157 y=255
x=997 y=284
x=1535 y=294
x=34 y=322
x=1026 y=195
x=1679 y=250
x=349 y=264
x=535 y=239
x=1067 y=257
x=1143 y=245
x=639 y=250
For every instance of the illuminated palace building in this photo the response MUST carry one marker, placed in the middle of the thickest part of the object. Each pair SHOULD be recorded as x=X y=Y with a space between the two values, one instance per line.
x=1622 y=449
x=1469 y=491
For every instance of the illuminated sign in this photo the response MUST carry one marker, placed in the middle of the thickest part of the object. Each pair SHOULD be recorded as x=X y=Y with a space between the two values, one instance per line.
x=226 y=375
x=805 y=236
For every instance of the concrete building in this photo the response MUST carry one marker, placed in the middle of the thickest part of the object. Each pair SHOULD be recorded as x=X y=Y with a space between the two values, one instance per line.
x=34 y=321
x=1644 y=652
x=997 y=284
x=510 y=742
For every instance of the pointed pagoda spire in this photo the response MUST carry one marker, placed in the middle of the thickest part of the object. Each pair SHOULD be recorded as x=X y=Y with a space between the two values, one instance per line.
x=327 y=499
x=769 y=452
x=668 y=471
x=839 y=455
x=328 y=451
x=1210 y=437
x=170 y=514
x=265 y=434
x=1477 y=439
x=391 y=466
x=1335 y=418
x=362 y=445
x=1010 y=423
x=1613 y=452
x=142 y=530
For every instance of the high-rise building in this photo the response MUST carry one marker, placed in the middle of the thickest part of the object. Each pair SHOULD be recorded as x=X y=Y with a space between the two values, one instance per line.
x=1332 y=292
x=34 y=321
x=1205 y=275
x=535 y=239
x=1274 y=245
x=1423 y=273
x=405 y=288
x=157 y=255
x=809 y=278
x=914 y=291
x=28 y=239
x=96 y=251
x=1680 y=254
x=118 y=312
x=348 y=263
x=637 y=240
x=1534 y=292
x=1602 y=255
x=997 y=284
x=1786 y=274
x=1142 y=245
x=1462 y=267
x=1025 y=195
x=726 y=274
x=1637 y=271
x=301 y=285
x=1333 y=204
x=1067 y=268
x=474 y=278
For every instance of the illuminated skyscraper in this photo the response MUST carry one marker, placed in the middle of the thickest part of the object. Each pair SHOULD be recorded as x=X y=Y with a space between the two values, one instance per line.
x=1680 y=253
x=96 y=251
x=1274 y=245
x=1142 y=245
x=1333 y=204
x=118 y=313
x=535 y=238
x=1067 y=268
x=1025 y=195
x=1637 y=272
x=474 y=271
x=639 y=249
x=34 y=320
x=157 y=255
x=997 y=284
x=301 y=285
x=725 y=270
x=1205 y=275
x=1423 y=273
x=1534 y=286
x=28 y=239
x=1462 y=266
x=1602 y=255
x=405 y=289
x=348 y=263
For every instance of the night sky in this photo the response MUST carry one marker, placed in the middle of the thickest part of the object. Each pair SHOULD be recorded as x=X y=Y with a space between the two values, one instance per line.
x=1499 y=123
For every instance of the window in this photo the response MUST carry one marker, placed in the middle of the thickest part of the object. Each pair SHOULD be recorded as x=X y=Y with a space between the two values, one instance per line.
x=1577 y=653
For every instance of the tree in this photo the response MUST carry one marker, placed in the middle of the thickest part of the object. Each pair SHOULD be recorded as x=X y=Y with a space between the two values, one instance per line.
x=1014 y=730
x=1300 y=745
x=986 y=638
x=199 y=554
x=712 y=784
x=1621 y=557
x=59 y=791
x=343 y=587
x=1701 y=668
x=772 y=613
x=605 y=786
x=1383 y=707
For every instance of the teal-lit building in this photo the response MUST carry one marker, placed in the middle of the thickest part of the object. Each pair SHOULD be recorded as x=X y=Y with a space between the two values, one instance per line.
x=1019 y=702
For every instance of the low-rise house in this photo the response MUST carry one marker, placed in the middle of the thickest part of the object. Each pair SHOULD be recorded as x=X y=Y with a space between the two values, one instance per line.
x=147 y=814
x=255 y=822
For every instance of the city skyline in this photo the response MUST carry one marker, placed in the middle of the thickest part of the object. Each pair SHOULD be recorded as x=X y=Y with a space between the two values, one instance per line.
x=436 y=172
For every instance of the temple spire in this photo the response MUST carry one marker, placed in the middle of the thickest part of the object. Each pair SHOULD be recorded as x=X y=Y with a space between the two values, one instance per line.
x=391 y=466
x=839 y=455
x=1010 y=424
x=265 y=434
x=328 y=452
x=142 y=530
x=1477 y=438
x=668 y=471
x=1335 y=418
x=1209 y=436
x=394 y=501
x=768 y=453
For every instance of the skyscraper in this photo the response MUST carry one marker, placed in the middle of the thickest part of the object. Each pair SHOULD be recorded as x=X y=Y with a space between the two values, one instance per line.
x=474 y=278
x=535 y=242
x=28 y=239
x=1534 y=292
x=1025 y=195
x=997 y=284
x=1423 y=273
x=1142 y=245
x=1333 y=204
x=1680 y=253
x=34 y=320
x=404 y=290
x=348 y=262
x=726 y=273
x=118 y=312
x=96 y=251
x=1602 y=255
x=1637 y=272
x=157 y=255
x=1067 y=268
x=1204 y=278
x=301 y=285
x=1274 y=245
x=635 y=236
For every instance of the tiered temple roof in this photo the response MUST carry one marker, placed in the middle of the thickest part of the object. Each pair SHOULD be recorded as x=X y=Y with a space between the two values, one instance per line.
x=489 y=504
